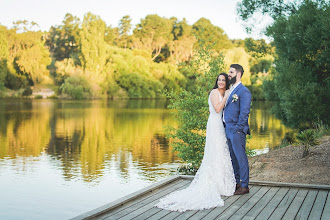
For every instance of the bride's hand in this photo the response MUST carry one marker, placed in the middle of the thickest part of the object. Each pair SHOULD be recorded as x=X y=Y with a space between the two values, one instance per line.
x=227 y=93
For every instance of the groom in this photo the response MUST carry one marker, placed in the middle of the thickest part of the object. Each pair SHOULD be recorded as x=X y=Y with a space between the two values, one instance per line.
x=235 y=118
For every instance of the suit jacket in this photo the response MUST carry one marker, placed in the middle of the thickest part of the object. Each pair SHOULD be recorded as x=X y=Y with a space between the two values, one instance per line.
x=236 y=113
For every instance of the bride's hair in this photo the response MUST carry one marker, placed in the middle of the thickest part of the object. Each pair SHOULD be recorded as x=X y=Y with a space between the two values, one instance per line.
x=216 y=81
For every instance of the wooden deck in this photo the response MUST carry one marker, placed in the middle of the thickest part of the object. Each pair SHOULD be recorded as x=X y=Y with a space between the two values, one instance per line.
x=266 y=200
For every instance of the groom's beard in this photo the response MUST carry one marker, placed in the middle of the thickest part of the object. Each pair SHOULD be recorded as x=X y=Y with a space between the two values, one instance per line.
x=232 y=81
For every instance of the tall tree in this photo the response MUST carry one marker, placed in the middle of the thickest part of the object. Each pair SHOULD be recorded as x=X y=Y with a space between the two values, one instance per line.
x=153 y=33
x=211 y=34
x=92 y=44
x=125 y=27
x=111 y=35
x=3 y=55
x=63 y=40
x=181 y=48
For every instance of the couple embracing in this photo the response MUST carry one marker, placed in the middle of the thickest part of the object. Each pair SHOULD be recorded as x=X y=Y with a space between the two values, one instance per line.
x=224 y=169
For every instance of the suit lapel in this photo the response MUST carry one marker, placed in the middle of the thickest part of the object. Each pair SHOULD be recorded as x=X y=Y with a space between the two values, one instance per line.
x=230 y=98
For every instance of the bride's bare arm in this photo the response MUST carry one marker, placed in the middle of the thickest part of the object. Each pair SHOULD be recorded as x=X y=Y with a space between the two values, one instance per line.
x=217 y=105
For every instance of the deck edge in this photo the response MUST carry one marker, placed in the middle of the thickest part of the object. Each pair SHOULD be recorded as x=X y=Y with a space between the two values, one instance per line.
x=295 y=185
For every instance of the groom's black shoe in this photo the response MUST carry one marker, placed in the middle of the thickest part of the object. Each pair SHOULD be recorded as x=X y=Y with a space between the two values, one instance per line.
x=237 y=186
x=241 y=191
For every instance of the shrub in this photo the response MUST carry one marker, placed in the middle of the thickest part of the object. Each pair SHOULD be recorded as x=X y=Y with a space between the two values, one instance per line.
x=38 y=97
x=307 y=138
x=27 y=91
x=76 y=87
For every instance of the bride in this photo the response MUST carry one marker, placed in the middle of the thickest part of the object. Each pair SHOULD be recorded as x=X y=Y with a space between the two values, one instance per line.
x=215 y=176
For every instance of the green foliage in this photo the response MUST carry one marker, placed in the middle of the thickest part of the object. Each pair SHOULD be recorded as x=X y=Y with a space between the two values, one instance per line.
x=38 y=97
x=92 y=44
x=213 y=36
x=76 y=87
x=27 y=91
x=63 y=40
x=192 y=111
x=153 y=33
x=321 y=129
x=27 y=58
x=308 y=138
x=124 y=29
x=138 y=86
x=300 y=81
x=3 y=56
x=257 y=48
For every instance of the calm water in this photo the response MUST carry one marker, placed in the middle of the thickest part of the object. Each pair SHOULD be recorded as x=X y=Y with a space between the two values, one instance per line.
x=59 y=159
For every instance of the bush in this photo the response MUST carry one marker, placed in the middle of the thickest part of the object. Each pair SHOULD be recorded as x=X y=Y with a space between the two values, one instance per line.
x=308 y=138
x=27 y=92
x=76 y=87
x=38 y=97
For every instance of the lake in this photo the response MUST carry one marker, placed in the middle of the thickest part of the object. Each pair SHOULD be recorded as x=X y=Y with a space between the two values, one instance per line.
x=59 y=159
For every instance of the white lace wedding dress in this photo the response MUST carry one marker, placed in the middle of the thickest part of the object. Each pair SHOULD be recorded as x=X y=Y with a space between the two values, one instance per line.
x=215 y=176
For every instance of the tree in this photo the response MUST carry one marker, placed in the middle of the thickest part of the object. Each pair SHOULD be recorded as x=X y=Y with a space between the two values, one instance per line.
x=27 y=58
x=111 y=35
x=124 y=29
x=92 y=44
x=63 y=40
x=3 y=56
x=153 y=33
x=181 y=48
x=213 y=35
x=301 y=81
x=257 y=48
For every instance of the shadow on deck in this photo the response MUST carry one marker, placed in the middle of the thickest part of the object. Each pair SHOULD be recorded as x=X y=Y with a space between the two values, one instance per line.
x=266 y=200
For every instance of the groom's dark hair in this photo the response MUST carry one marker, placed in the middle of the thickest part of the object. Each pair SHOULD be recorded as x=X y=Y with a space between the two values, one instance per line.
x=238 y=68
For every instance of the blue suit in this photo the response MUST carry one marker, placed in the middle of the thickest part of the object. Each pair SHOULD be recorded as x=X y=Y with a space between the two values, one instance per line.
x=236 y=115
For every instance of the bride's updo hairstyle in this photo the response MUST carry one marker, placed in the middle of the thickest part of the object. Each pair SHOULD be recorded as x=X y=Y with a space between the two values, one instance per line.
x=216 y=81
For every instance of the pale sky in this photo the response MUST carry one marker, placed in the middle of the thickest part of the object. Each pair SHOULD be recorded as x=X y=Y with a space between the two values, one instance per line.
x=221 y=13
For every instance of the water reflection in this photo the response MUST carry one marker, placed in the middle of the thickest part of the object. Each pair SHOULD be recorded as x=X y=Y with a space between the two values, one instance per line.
x=83 y=135
x=266 y=130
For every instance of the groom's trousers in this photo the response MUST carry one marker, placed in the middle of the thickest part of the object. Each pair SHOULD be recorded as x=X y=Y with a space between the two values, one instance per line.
x=236 y=144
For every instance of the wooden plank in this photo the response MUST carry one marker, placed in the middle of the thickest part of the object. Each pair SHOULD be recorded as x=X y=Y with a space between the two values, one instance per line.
x=307 y=205
x=284 y=204
x=326 y=210
x=140 y=203
x=160 y=214
x=187 y=214
x=123 y=206
x=171 y=215
x=292 y=185
x=252 y=201
x=126 y=199
x=218 y=210
x=273 y=203
x=199 y=215
x=293 y=209
x=145 y=205
x=227 y=213
x=318 y=206
x=148 y=214
x=252 y=214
